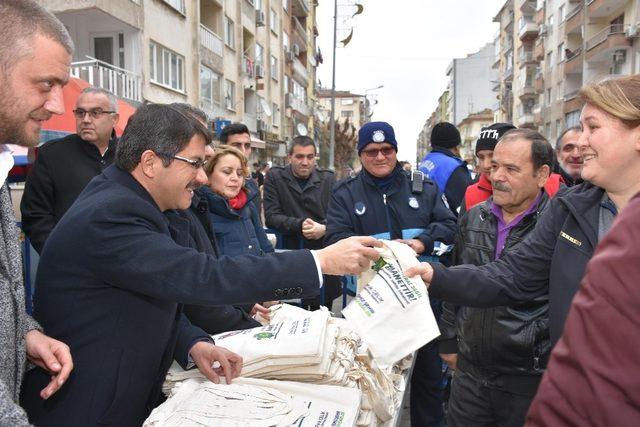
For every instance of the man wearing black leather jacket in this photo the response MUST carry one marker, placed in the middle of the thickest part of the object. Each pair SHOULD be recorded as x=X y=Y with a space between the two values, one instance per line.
x=499 y=353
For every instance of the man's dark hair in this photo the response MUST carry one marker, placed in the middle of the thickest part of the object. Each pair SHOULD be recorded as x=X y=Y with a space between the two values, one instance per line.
x=21 y=21
x=301 y=141
x=541 y=151
x=163 y=129
x=564 y=132
x=232 y=129
x=190 y=109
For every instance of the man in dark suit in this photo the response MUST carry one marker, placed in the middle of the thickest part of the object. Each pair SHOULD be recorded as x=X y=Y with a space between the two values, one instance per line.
x=296 y=198
x=115 y=272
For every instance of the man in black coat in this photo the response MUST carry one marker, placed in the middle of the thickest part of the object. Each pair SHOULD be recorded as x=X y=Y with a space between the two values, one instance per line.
x=296 y=199
x=499 y=353
x=115 y=272
x=65 y=166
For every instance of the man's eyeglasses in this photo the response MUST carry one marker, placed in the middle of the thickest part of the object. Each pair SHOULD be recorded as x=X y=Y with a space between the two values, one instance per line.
x=373 y=153
x=196 y=164
x=95 y=113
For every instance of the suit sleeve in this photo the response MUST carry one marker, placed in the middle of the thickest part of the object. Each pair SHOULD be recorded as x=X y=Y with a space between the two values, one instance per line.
x=521 y=275
x=37 y=205
x=339 y=220
x=188 y=335
x=274 y=214
x=11 y=414
x=133 y=253
x=442 y=225
x=214 y=320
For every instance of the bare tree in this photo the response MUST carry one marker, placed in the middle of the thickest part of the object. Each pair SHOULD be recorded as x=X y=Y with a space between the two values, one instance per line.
x=346 y=139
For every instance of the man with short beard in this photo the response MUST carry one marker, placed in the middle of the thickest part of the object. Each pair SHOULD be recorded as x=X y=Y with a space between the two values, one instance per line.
x=35 y=53
x=569 y=158
x=53 y=186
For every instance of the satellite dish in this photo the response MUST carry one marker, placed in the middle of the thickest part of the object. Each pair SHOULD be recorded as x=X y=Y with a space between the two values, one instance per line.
x=265 y=107
x=312 y=61
x=302 y=129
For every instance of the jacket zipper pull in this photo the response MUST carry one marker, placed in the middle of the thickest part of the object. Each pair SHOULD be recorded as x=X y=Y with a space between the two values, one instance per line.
x=384 y=199
x=536 y=363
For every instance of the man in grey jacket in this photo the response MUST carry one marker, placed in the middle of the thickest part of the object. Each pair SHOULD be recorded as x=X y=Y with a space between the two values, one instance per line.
x=35 y=53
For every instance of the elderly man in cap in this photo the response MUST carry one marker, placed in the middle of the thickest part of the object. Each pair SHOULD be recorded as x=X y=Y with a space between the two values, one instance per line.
x=383 y=201
x=444 y=165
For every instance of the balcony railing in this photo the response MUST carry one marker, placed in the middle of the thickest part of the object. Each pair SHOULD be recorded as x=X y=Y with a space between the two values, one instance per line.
x=122 y=83
x=571 y=94
x=211 y=40
x=602 y=35
x=300 y=69
x=300 y=29
x=526 y=56
x=574 y=11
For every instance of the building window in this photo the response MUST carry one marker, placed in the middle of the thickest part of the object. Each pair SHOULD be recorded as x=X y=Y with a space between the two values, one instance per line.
x=259 y=54
x=559 y=94
x=285 y=5
x=547 y=130
x=166 y=67
x=299 y=91
x=229 y=38
x=550 y=22
x=285 y=41
x=275 y=115
x=346 y=101
x=561 y=13
x=572 y=119
x=273 y=21
x=549 y=59
x=229 y=95
x=177 y=5
x=274 y=67
x=286 y=83
x=346 y=114
x=209 y=87
x=561 y=53
x=548 y=96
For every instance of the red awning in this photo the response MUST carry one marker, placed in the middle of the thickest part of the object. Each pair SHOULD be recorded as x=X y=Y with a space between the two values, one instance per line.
x=67 y=123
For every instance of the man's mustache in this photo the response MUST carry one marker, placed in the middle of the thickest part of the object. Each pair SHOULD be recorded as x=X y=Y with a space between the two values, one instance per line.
x=500 y=187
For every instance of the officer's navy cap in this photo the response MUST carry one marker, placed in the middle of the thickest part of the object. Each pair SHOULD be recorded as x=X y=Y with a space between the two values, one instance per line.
x=376 y=132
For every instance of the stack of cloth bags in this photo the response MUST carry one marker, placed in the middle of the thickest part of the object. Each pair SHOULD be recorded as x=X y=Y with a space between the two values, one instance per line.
x=307 y=347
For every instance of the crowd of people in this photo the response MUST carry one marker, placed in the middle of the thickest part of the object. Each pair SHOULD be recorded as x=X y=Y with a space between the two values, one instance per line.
x=152 y=242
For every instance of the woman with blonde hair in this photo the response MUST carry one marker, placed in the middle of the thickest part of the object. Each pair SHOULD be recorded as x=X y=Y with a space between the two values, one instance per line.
x=553 y=257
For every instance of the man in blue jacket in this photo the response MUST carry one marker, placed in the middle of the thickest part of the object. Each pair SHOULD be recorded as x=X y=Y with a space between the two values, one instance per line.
x=387 y=202
x=444 y=166
x=115 y=272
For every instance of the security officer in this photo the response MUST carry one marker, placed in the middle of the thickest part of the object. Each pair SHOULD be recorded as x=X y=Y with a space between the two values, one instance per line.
x=387 y=202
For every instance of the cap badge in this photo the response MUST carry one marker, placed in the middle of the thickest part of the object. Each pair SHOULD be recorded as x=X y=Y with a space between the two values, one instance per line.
x=378 y=136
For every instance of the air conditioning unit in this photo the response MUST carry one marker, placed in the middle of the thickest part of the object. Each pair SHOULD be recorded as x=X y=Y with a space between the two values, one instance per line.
x=288 y=100
x=259 y=69
x=543 y=29
x=261 y=125
x=632 y=31
x=289 y=56
x=619 y=56
x=259 y=18
x=295 y=49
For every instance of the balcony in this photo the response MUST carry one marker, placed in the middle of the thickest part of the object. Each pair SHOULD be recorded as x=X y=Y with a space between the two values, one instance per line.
x=528 y=29
x=248 y=16
x=528 y=90
x=300 y=72
x=538 y=18
x=606 y=41
x=92 y=12
x=603 y=8
x=300 y=8
x=122 y=83
x=539 y=82
x=571 y=101
x=508 y=74
x=573 y=62
x=574 y=19
x=301 y=31
x=527 y=58
x=211 y=41
x=296 y=104
x=527 y=5
x=538 y=50
x=212 y=110
x=527 y=118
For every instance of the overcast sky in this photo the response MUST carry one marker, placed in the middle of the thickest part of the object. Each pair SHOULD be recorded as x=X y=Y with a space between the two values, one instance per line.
x=405 y=45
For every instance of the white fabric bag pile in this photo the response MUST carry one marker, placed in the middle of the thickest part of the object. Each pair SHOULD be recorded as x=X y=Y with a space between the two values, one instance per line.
x=250 y=402
x=392 y=312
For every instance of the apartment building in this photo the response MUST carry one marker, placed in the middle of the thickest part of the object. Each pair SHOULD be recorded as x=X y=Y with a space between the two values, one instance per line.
x=469 y=129
x=560 y=45
x=349 y=105
x=470 y=87
x=239 y=60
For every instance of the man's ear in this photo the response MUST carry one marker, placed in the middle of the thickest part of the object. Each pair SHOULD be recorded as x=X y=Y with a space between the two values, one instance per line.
x=544 y=172
x=149 y=163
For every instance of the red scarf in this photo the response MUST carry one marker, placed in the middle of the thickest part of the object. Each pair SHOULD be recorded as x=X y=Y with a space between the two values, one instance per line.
x=239 y=201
